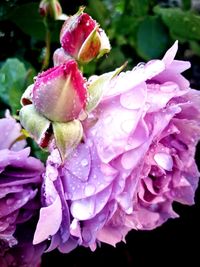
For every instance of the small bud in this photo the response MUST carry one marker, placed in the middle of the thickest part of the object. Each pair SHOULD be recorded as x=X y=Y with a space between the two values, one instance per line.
x=82 y=38
x=60 y=94
x=50 y=8
x=67 y=136
x=60 y=57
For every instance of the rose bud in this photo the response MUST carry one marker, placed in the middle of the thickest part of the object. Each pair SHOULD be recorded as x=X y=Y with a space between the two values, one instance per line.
x=60 y=94
x=60 y=57
x=50 y=9
x=82 y=38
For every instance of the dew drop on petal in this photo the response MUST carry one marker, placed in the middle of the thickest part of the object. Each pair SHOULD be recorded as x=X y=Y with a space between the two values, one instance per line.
x=84 y=162
x=168 y=87
x=127 y=126
x=82 y=209
x=10 y=201
x=89 y=190
x=164 y=160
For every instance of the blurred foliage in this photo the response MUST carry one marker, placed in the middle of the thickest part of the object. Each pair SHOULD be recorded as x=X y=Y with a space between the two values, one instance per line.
x=139 y=30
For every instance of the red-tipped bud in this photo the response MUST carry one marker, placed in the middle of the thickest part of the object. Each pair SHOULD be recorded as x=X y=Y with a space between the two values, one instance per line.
x=50 y=8
x=82 y=38
x=60 y=93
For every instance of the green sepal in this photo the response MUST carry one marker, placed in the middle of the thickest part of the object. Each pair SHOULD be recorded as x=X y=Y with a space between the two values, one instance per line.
x=67 y=136
x=34 y=123
x=97 y=88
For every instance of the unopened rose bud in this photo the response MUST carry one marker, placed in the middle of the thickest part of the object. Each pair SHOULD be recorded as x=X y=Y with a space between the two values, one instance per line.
x=60 y=57
x=60 y=94
x=50 y=8
x=82 y=38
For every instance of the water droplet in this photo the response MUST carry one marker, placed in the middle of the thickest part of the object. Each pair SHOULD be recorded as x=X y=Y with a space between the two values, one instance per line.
x=168 y=87
x=139 y=66
x=129 y=210
x=83 y=115
x=84 y=162
x=19 y=201
x=164 y=160
x=10 y=201
x=89 y=190
x=127 y=126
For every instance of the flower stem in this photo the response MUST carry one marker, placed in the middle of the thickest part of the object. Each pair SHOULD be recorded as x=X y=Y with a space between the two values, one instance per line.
x=47 y=49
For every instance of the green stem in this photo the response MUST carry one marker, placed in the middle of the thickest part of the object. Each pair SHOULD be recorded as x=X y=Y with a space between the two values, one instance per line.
x=81 y=68
x=47 y=50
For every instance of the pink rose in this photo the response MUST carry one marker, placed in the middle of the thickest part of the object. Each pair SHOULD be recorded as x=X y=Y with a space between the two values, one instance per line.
x=135 y=160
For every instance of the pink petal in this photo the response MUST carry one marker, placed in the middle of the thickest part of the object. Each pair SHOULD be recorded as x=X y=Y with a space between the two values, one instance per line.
x=170 y=54
x=49 y=221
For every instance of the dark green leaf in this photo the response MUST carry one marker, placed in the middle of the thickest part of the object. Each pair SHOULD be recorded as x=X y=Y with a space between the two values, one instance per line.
x=181 y=23
x=98 y=10
x=140 y=7
x=152 y=38
x=12 y=82
x=126 y=25
x=28 y=19
x=186 y=4
x=115 y=58
x=195 y=47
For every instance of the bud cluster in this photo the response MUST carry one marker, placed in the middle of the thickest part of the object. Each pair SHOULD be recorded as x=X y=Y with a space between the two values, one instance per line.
x=54 y=105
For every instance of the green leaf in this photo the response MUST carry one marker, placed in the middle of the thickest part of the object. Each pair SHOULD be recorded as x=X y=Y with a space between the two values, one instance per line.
x=35 y=124
x=185 y=24
x=140 y=7
x=115 y=58
x=126 y=25
x=12 y=82
x=28 y=19
x=152 y=38
x=195 y=47
x=97 y=88
x=186 y=4
x=98 y=10
x=67 y=135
